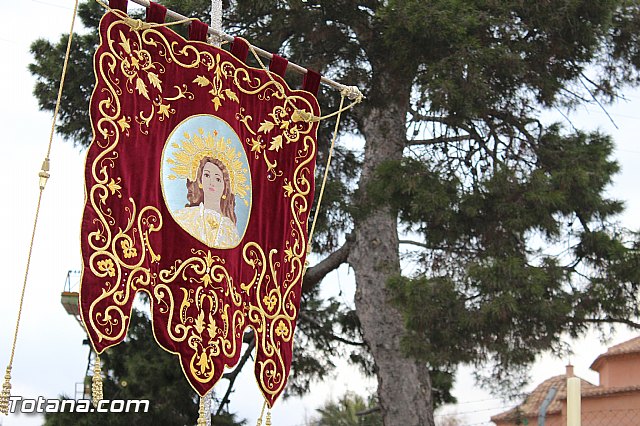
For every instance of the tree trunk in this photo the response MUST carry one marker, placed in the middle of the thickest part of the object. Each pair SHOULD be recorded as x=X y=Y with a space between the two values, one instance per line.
x=404 y=387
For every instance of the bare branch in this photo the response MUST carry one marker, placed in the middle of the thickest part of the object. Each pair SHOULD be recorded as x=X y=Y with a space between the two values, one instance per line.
x=233 y=375
x=369 y=411
x=583 y=222
x=316 y=273
x=617 y=96
x=450 y=248
x=439 y=139
x=307 y=318
x=575 y=95
x=610 y=321
x=567 y=119
x=593 y=96
x=414 y=243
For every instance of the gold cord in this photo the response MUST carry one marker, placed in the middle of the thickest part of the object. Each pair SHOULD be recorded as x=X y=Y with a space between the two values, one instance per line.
x=44 y=176
x=64 y=73
x=326 y=175
x=350 y=92
x=259 y=422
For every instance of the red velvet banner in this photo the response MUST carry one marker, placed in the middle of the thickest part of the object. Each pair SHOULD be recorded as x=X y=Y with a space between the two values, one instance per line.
x=199 y=183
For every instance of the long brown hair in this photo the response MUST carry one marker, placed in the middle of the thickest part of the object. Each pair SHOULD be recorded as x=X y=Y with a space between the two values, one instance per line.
x=196 y=195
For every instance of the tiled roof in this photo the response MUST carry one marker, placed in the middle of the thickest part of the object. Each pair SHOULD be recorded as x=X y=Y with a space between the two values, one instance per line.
x=628 y=347
x=531 y=406
x=602 y=391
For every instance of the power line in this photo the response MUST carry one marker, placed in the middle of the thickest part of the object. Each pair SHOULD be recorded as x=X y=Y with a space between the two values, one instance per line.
x=476 y=401
x=613 y=114
x=476 y=411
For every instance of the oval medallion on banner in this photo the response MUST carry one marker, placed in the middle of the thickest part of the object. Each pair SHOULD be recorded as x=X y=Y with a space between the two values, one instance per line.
x=206 y=181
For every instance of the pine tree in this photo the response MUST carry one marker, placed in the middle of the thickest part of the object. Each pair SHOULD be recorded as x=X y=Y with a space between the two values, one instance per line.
x=458 y=176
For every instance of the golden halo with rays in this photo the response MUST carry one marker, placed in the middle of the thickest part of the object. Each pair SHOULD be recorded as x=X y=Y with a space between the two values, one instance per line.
x=193 y=147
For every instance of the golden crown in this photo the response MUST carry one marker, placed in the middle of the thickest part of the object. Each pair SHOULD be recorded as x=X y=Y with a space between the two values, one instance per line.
x=194 y=147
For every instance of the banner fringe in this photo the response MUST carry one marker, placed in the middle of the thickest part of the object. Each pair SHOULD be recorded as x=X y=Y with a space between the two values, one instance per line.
x=6 y=393
x=96 y=383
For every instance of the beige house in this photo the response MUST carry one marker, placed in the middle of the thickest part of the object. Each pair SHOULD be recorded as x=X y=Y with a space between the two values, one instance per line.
x=615 y=402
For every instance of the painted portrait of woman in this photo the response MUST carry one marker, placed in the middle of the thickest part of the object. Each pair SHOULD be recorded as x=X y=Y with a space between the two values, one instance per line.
x=206 y=181
x=210 y=215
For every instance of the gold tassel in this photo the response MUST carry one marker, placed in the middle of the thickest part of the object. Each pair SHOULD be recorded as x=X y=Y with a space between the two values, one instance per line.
x=259 y=422
x=268 y=422
x=302 y=115
x=96 y=383
x=44 y=173
x=202 y=420
x=6 y=393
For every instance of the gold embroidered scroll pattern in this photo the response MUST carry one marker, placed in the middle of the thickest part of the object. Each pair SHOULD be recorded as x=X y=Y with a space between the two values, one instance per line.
x=298 y=191
x=275 y=134
x=117 y=259
x=222 y=71
x=143 y=74
x=121 y=268
x=274 y=313
x=137 y=66
x=195 y=320
x=275 y=310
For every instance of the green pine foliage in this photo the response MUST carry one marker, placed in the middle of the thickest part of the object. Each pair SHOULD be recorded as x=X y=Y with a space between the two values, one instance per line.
x=350 y=409
x=489 y=276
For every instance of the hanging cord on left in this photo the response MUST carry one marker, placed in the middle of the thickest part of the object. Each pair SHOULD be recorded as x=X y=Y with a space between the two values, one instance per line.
x=44 y=176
